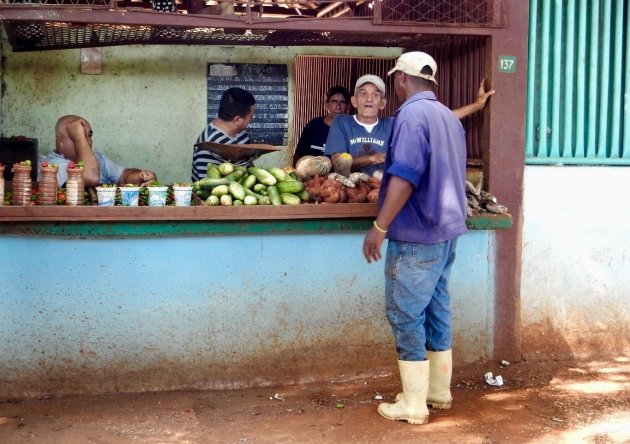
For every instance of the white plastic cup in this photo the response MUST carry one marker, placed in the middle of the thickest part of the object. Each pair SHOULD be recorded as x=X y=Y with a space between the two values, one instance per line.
x=106 y=196
x=157 y=196
x=183 y=196
x=129 y=196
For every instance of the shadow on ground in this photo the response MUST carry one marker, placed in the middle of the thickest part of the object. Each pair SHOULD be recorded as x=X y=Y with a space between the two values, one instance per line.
x=540 y=402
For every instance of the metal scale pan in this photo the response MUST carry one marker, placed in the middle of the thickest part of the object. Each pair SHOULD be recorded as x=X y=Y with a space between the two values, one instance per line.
x=236 y=153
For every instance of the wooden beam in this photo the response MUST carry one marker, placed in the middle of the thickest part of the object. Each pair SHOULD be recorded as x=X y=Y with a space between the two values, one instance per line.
x=305 y=24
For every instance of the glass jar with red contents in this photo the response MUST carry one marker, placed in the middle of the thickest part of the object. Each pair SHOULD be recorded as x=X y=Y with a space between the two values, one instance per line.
x=47 y=190
x=21 y=183
x=75 y=188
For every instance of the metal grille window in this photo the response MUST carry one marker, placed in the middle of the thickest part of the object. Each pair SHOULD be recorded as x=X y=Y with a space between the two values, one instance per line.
x=579 y=83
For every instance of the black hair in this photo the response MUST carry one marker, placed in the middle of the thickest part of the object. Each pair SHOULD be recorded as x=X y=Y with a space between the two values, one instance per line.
x=426 y=69
x=338 y=90
x=235 y=102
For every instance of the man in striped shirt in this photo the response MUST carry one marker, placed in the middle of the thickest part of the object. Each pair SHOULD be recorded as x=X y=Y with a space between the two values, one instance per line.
x=236 y=111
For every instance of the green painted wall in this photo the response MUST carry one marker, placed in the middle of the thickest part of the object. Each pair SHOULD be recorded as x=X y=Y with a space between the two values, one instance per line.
x=146 y=108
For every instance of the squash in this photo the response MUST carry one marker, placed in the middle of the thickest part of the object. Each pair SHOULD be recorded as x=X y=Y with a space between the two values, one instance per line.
x=343 y=164
x=309 y=166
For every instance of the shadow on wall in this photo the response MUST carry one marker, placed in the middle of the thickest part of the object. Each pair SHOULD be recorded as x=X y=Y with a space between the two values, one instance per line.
x=542 y=341
x=589 y=340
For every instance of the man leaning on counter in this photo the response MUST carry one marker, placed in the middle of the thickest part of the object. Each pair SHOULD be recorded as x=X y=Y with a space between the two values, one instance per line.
x=73 y=143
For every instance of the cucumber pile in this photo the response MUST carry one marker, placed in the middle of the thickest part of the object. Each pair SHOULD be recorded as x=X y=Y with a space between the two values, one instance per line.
x=229 y=184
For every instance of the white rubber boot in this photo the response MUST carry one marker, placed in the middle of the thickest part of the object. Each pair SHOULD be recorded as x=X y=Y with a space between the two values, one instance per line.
x=412 y=405
x=440 y=371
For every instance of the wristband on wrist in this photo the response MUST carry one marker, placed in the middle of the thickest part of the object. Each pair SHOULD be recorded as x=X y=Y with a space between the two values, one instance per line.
x=379 y=229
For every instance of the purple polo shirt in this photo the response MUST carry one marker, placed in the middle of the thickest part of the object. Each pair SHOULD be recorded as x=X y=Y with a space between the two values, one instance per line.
x=427 y=149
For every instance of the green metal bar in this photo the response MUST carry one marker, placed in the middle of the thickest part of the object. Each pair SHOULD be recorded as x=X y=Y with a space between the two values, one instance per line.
x=603 y=69
x=151 y=228
x=530 y=133
x=594 y=90
x=556 y=105
x=580 y=109
x=148 y=228
x=543 y=124
x=576 y=161
x=616 y=150
x=568 y=110
x=626 y=107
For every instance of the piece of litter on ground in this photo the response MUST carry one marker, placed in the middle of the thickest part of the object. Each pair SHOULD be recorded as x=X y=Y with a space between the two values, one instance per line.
x=491 y=380
x=277 y=397
x=378 y=397
x=339 y=405
x=243 y=440
x=504 y=363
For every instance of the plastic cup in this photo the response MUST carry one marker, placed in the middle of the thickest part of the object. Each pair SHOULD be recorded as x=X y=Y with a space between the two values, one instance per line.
x=183 y=196
x=106 y=196
x=129 y=196
x=157 y=196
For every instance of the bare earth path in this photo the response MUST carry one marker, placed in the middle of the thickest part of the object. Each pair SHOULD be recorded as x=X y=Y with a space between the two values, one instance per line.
x=543 y=402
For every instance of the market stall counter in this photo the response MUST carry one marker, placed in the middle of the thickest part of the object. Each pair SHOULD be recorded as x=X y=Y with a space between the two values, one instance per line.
x=102 y=299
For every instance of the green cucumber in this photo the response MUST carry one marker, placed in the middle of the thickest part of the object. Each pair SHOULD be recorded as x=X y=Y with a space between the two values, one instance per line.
x=209 y=183
x=203 y=194
x=264 y=200
x=226 y=200
x=291 y=186
x=220 y=190
x=226 y=168
x=250 y=200
x=263 y=176
x=237 y=190
x=304 y=196
x=277 y=173
x=249 y=181
x=290 y=199
x=237 y=202
x=274 y=195
x=236 y=175
x=251 y=193
x=259 y=187
x=213 y=201
x=212 y=171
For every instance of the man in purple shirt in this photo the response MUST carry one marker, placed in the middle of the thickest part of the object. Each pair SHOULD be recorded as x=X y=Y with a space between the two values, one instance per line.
x=422 y=211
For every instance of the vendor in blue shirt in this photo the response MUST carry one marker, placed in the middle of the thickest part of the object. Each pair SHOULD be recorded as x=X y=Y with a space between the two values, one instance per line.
x=365 y=136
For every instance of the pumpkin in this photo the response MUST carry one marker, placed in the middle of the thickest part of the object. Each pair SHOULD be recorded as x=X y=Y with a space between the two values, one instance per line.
x=310 y=166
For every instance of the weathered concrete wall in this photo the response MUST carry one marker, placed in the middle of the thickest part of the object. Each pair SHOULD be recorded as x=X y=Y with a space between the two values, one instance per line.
x=148 y=106
x=101 y=315
x=576 y=256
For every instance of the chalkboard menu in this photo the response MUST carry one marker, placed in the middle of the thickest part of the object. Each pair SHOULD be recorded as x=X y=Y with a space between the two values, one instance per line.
x=269 y=85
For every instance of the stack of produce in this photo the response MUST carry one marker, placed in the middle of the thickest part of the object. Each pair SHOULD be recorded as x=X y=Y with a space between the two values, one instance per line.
x=229 y=184
x=480 y=201
x=335 y=188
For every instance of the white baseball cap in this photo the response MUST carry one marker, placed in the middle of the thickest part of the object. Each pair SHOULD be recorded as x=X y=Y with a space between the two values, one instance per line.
x=413 y=62
x=370 y=78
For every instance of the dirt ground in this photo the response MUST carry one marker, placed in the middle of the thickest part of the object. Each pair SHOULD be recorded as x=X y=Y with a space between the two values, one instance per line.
x=542 y=402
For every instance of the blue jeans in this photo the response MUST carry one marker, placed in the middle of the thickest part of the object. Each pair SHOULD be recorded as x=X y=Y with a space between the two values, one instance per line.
x=416 y=296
